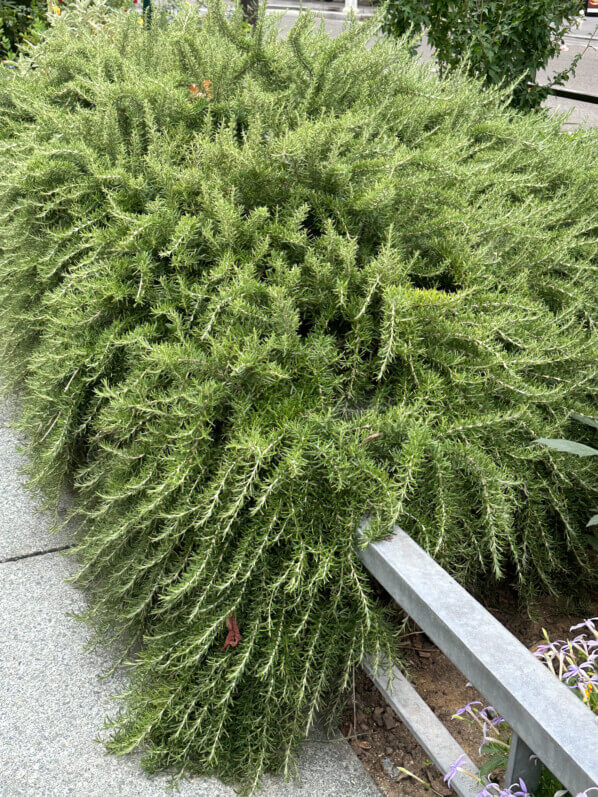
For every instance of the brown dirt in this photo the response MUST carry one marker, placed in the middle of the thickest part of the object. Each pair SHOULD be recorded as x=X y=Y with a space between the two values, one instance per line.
x=375 y=732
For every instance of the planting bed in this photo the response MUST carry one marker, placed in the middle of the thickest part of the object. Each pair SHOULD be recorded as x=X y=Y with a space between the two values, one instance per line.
x=379 y=737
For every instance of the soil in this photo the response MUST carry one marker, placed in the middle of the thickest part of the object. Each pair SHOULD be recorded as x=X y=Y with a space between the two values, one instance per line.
x=381 y=740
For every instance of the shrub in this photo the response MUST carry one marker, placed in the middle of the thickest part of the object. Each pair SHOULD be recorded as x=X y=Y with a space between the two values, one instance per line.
x=498 y=40
x=255 y=290
x=580 y=450
x=22 y=24
x=20 y=20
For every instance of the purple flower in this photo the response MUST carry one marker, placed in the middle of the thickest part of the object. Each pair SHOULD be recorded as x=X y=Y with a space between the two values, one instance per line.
x=448 y=778
x=468 y=709
x=491 y=716
x=583 y=686
x=485 y=737
x=589 y=624
x=576 y=671
x=523 y=793
x=491 y=790
x=579 y=639
x=516 y=790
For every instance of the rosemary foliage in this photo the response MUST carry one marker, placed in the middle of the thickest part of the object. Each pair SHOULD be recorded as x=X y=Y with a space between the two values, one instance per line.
x=255 y=290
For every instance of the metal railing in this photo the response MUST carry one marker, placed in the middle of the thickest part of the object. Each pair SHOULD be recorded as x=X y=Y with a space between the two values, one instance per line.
x=571 y=94
x=550 y=725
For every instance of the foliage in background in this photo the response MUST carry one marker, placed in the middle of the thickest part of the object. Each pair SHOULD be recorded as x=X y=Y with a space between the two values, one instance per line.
x=20 y=21
x=580 y=450
x=575 y=663
x=254 y=290
x=500 y=41
x=23 y=22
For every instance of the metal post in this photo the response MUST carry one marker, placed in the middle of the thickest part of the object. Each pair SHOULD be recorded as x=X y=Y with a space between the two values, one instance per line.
x=427 y=729
x=523 y=764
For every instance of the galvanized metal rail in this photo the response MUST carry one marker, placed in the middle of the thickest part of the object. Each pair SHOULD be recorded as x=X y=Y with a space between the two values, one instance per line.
x=426 y=728
x=550 y=724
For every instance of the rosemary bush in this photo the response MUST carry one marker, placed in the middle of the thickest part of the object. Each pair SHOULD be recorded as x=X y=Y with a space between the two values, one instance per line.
x=256 y=290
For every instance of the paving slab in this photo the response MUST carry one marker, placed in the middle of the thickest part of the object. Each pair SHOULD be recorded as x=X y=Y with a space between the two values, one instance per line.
x=23 y=529
x=581 y=114
x=8 y=407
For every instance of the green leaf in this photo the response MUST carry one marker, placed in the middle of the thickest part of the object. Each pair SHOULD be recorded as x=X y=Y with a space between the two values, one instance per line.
x=515 y=39
x=584 y=419
x=568 y=446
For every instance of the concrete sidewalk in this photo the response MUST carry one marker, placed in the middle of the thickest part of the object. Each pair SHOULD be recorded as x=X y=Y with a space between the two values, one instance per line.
x=52 y=704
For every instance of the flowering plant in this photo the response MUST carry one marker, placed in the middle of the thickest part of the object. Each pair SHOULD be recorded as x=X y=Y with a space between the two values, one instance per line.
x=575 y=663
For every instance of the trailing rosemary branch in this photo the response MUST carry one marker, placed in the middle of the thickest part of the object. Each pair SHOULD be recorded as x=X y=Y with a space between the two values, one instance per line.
x=254 y=290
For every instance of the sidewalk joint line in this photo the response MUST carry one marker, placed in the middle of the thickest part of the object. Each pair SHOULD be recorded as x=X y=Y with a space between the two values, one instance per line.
x=34 y=553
